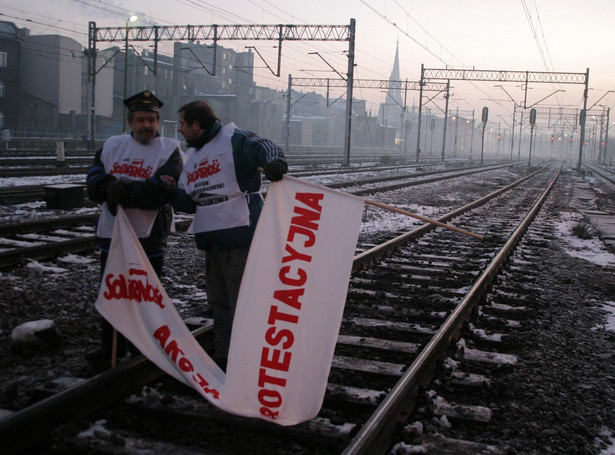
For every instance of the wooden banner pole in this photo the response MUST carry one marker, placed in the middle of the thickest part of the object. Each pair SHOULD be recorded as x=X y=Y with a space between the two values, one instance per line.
x=422 y=218
x=419 y=217
x=114 y=349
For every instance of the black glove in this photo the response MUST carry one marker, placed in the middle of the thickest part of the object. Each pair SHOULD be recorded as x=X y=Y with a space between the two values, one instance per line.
x=118 y=192
x=274 y=171
x=168 y=186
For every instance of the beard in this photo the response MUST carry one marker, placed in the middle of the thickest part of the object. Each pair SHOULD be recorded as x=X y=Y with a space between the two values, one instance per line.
x=144 y=136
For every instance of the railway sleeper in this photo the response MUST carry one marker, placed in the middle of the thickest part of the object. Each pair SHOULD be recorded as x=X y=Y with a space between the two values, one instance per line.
x=510 y=294
x=371 y=298
x=404 y=310
x=491 y=321
x=109 y=441
x=438 y=406
x=437 y=444
x=486 y=358
x=183 y=413
x=506 y=310
x=395 y=326
x=368 y=366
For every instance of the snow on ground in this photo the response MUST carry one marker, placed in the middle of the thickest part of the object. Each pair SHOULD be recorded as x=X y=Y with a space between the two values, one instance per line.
x=44 y=180
x=592 y=250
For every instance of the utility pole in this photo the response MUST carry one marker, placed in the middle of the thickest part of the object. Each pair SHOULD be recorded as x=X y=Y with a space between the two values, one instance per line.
x=418 y=131
x=520 y=130
x=512 y=131
x=472 y=135
x=485 y=117
x=288 y=95
x=456 y=130
x=448 y=86
x=124 y=109
x=606 y=136
x=532 y=123
x=582 y=121
x=349 y=86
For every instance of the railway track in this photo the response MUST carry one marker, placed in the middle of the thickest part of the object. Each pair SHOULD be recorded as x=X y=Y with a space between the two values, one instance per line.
x=28 y=193
x=409 y=298
x=48 y=166
x=48 y=238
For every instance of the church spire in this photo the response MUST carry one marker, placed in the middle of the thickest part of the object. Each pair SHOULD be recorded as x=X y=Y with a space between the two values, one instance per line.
x=394 y=93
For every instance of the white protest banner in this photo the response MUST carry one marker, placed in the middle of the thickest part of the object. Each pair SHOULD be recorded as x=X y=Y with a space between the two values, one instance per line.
x=288 y=314
x=133 y=300
x=291 y=301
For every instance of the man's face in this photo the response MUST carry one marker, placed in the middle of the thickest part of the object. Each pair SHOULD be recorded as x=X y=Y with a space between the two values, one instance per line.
x=191 y=132
x=144 y=125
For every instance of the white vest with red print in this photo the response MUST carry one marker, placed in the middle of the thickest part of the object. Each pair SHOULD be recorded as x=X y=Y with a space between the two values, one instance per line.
x=127 y=159
x=209 y=179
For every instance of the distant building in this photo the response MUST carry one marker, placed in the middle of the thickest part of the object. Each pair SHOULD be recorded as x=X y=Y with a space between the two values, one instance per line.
x=10 y=89
x=199 y=70
x=51 y=81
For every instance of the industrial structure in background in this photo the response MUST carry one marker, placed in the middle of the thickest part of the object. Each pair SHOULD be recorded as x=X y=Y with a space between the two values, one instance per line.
x=44 y=93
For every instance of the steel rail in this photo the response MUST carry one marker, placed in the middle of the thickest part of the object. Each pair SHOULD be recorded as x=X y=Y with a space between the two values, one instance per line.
x=374 y=435
x=64 y=222
x=601 y=172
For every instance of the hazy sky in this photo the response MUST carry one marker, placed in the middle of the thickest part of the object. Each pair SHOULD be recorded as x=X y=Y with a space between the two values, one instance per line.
x=515 y=35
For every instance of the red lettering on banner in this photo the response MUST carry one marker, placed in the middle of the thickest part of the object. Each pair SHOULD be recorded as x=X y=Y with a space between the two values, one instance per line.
x=312 y=200
x=204 y=170
x=275 y=355
x=273 y=360
x=299 y=281
x=275 y=315
x=176 y=355
x=273 y=337
x=137 y=289
x=295 y=255
x=290 y=297
x=294 y=229
x=133 y=169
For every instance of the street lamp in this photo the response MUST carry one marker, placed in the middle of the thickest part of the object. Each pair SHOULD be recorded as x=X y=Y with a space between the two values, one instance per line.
x=132 y=18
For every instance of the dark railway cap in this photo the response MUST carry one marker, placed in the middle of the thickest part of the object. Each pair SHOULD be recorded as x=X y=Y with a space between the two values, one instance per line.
x=144 y=101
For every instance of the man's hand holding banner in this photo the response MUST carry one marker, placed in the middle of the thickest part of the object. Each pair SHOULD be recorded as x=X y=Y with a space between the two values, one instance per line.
x=288 y=313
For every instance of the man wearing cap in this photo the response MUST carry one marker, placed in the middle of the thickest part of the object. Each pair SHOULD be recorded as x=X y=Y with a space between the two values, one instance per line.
x=127 y=171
